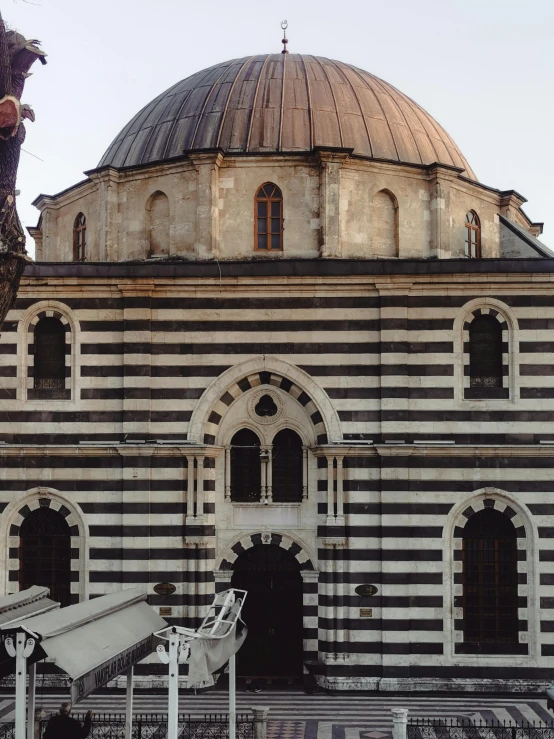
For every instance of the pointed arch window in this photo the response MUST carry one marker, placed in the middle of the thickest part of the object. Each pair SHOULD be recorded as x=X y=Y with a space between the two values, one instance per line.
x=268 y=218
x=49 y=361
x=490 y=580
x=80 y=238
x=473 y=236
x=246 y=478
x=287 y=472
x=45 y=553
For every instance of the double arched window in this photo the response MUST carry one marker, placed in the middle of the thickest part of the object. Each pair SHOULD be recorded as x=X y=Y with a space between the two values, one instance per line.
x=473 y=236
x=245 y=467
x=271 y=473
x=268 y=218
x=490 y=582
x=80 y=238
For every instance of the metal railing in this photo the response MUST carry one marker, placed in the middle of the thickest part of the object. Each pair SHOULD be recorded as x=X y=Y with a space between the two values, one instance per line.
x=154 y=726
x=426 y=728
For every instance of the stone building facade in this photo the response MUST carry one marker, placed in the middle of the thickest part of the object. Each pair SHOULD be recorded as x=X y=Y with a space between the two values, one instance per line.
x=283 y=338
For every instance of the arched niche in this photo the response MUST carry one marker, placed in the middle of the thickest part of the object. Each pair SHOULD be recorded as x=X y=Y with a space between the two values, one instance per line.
x=157 y=221
x=384 y=224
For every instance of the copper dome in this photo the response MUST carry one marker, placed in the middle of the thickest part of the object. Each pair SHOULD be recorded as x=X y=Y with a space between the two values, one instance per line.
x=283 y=103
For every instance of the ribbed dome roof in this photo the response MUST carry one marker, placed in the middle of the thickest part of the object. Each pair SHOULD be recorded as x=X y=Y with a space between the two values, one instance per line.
x=283 y=103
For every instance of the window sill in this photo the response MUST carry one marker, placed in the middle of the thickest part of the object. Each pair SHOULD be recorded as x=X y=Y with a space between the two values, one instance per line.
x=491 y=649
x=486 y=393
x=261 y=504
x=64 y=395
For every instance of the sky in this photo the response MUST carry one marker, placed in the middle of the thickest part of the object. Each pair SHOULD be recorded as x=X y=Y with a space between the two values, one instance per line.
x=483 y=69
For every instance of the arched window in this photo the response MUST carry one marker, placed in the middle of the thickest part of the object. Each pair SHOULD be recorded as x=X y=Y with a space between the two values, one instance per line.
x=268 y=218
x=485 y=354
x=473 y=235
x=49 y=364
x=80 y=238
x=384 y=224
x=287 y=466
x=45 y=553
x=158 y=223
x=490 y=579
x=246 y=483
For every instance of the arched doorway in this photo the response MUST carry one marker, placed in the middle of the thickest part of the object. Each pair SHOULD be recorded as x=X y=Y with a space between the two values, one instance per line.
x=272 y=612
x=45 y=553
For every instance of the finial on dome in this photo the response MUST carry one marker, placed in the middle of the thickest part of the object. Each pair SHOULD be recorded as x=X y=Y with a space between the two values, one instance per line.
x=284 y=26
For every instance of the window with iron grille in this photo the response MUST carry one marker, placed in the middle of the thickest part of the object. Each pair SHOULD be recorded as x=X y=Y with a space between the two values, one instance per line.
x=45 y=553
x=268 y=218
x=485 y=353
x=49 y=364
x=287 y=467
x=80 y=238
x=246 y=472
x=490 y=597
x=473 y=236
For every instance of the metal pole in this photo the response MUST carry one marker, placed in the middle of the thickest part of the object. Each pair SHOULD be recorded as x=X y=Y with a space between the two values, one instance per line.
x=128 y=705
x=20 y=650
x=31 y=702
x=173 y=692
x=232 y=697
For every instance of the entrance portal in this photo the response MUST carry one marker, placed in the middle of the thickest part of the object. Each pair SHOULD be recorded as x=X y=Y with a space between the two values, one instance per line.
x=272 y=612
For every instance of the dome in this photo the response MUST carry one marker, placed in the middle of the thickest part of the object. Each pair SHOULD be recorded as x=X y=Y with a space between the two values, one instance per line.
x=283 y=103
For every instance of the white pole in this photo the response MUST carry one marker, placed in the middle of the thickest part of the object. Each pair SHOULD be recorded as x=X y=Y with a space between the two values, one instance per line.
x=232 y=697
x=20 y=652
x=128 y=705
x=31 y=702
x=173 y=692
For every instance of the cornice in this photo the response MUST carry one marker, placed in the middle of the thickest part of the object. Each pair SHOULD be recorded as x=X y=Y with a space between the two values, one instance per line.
x=123 y=450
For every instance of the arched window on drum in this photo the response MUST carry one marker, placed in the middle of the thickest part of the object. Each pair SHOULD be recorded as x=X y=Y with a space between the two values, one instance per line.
x=80 y=238
x=473 y=235
x=268 y=218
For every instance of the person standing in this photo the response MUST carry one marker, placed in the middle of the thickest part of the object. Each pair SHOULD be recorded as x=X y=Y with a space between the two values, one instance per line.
x=63 y=726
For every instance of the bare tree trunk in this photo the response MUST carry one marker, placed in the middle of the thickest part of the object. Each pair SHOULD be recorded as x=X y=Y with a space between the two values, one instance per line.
x=17 y=54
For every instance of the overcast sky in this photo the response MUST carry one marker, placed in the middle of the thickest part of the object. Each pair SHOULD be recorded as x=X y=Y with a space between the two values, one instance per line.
x=484 y=69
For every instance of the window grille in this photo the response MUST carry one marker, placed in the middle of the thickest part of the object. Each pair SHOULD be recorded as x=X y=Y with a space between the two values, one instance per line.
x=485 y=352
x=45 y=553
x=269 y=218
x=246 y=477
x=490 y=598
x=49 y=369
x=80 y=238
x=287 y=467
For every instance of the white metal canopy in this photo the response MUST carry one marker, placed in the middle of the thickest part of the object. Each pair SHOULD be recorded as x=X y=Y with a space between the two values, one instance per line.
x=19 y=606
x=25 y=604
x=97 y=640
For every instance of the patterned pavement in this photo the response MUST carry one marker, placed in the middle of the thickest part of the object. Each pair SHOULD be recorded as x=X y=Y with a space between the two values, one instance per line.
x=295 y=715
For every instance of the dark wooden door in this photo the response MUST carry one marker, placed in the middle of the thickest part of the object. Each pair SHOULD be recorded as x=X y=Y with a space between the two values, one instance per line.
x=272 y=612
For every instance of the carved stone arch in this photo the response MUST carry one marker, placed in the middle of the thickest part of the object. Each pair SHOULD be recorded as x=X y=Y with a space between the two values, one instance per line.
x=510 y=337
x=288 y=542
x=527 y=538
x=10 y=523
x=259 y=371
x=25 y=333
